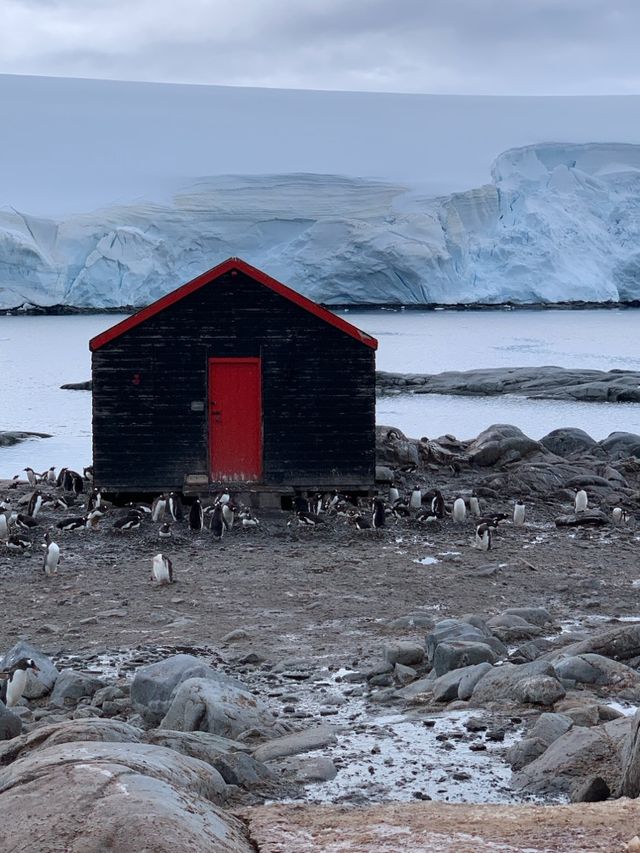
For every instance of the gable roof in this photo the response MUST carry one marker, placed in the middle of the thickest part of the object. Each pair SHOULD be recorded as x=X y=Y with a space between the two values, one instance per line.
x=230 y=265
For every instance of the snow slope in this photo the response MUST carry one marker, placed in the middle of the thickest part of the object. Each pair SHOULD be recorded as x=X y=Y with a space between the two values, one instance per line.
x=556 y=223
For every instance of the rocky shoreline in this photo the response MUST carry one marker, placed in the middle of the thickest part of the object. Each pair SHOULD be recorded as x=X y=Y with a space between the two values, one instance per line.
x=289 y=667
x=535 y=383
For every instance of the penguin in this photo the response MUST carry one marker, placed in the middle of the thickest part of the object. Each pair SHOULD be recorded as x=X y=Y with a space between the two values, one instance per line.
x=401 y=509
x=492 y=520
x=165 y=531
x=483 y=537
x=248 y=521
x=216 y=524
x=378 y=517
x=174 y=506
x=15 y=680
x=518 y=513
x=128 y=522
x=415 y=501
x=162 y=570
x=394 y=494
x=95 y=499
x=301 y=504
x=474 y=505
x=361 y=523
x=18 y=544
x=31 y=476
x=5 y=503
x=581 y=500
x=459 y=510
x=51 y=556
x=139 y=508
x=309 y=519
x=35 y=504
x=426 y=516
x=437 y=504
x=619 y=515
x=224 y=498
x=51 y=476
x=228 y=515
x=77 y=483
x=25 y=522
x=65 y=501
x=318 y=503
x=78 y=522
x=87 y=473
x=60 y=479
x=4 y=527
x=196 y=516
x=158 y=507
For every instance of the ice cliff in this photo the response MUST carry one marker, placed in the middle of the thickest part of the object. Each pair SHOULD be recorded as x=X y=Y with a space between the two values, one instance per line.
x=558 y=222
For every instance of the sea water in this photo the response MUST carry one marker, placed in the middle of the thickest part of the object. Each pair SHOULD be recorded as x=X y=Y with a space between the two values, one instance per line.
x=38 y=354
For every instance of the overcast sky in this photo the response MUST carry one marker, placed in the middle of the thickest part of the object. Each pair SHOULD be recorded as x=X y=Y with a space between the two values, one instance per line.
x=435 y=46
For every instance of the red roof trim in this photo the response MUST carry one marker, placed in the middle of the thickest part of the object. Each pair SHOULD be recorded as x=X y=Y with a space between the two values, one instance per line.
x=212 y=274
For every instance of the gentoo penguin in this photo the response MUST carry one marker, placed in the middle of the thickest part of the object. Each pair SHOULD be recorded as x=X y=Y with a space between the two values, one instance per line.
x=128 y=522
x=158 y=507
x=401 y=509
x=426 y=516
x=35 y=504
x=248 y=521
x=483 y=537
x=492 y=520
x=459 y=510
x=437 y=504
x=174 y=505
x=95 y=499
x=317 y=504
x=77 y=522
x=25 y=522
x=196 y=516
x=162 y=569
x=216 y=524
x=308 y=519
x=618 y=515
x=87 y=473
x=415 y=501
x=31 y=476
x=228 y=515
x=62 y=473
x=301 y=504
x=51 y=476
x=224 y=498
x=4 y=526
x=394 y=494
x=361 y=523
x=165 y=531
x=378 y=517
x=51 y=556
x=18 y=544
x=72 y=482
x=474 y=505
x=518 y=513
x=581 y=500
x=15 y=680
x=65 y=501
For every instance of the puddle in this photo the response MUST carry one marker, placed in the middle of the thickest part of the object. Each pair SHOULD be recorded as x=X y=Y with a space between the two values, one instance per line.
x=427 y=561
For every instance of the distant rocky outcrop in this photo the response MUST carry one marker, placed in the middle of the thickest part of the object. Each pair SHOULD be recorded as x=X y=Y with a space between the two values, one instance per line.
x=7 y=439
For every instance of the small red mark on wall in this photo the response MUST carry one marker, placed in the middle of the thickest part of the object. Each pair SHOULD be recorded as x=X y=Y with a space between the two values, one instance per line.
x=136 y=379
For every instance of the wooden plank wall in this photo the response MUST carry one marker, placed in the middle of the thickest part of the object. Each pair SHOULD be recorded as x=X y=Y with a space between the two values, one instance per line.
x=318 y=387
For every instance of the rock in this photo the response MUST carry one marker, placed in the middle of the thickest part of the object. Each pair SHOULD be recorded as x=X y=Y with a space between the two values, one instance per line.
x=501 y=683
x=524 y=752
x=108 y=796
x=630 y=760
x=470 y=677
x=77 y=386
x=621 y=444
x=219 y=707
x=567 y=441
x=573 y=757
x=539 y=690
x=234 y=636
x=459 y=629
x=8 y=439
x=589 y=518
x=549 y=727
x=404 y=674
x=153 y=686
x=294 y=744
x=107 y=694
x=417 y=688
x=580 y=715
x=40 y=683
x=539 y=616
x=383 y=474
x=319 y=769
x=447 y=686
x=456 y=654
x=71 y=686
x=591 y=790
x=404 y=652
x=10 y=723
x=620 y=643
x=501 y=443
x=596 y=669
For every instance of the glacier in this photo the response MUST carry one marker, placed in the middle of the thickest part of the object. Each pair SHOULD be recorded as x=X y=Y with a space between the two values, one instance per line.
x=557 y=222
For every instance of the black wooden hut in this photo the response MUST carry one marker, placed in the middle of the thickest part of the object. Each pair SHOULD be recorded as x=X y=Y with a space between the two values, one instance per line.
x=233 y=379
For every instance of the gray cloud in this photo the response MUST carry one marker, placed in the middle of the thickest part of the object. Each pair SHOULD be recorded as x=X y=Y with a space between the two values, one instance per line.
x=448 y=46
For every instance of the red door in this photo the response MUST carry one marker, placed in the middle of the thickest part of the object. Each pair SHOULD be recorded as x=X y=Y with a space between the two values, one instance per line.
x=235 y=419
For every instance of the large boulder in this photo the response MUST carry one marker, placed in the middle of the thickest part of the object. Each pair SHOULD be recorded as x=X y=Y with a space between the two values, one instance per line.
x=153 y=686
x=630 y=759
x=394 y=449
x=201 y=704
x=567 y=441
x=450 y=630
x=621 y=444
x=456 y=654
x=90 y=796
x=502 y=443
x=10 y=723
x=575 y=756
x=539 y=690
x=40 y=683
x=71 y=686
x=403 y=652
x=458 y=683
x=549 y=727
x=596 y=669
x=620 y=643
x=517 y=683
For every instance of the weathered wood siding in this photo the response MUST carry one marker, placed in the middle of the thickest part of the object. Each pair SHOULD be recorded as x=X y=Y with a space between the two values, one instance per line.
x=318 y=391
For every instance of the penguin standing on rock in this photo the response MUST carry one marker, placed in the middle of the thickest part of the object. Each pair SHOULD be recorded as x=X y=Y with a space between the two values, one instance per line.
x=51 y=556
x=618 y=515
x=581 y=500
x=518 y=513
x=459 y=510
x=15 y=680
x=162 y=570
